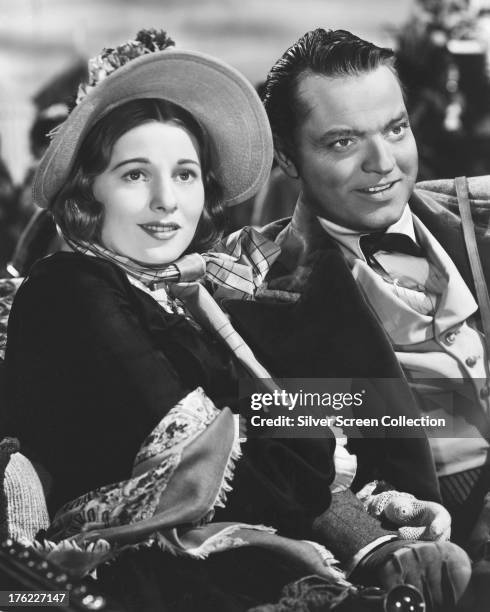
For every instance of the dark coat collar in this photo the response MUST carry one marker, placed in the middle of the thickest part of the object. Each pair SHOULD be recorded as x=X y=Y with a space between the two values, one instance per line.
x=333 y=332
x=301 y=238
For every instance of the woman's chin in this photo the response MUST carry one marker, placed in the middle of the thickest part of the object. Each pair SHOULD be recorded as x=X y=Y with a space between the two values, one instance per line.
x=149 y=254
x=155 y=257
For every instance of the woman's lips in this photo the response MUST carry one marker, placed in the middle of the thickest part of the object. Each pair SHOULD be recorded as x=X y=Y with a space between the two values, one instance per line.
x=160 y=231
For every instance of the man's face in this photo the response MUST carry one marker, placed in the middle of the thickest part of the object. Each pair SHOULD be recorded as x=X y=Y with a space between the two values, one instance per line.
x=355 y=152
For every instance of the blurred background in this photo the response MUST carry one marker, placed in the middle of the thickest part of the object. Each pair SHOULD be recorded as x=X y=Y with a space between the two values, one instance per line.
x=443 y=50
x=39 y=39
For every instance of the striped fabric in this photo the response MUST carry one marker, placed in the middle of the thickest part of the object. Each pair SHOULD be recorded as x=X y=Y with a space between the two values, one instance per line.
x=456 y=488
x=220 y=268
x=252 y=249
x=239 y=265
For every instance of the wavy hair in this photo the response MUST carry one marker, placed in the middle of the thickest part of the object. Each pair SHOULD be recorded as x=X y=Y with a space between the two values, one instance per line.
x=80 y=215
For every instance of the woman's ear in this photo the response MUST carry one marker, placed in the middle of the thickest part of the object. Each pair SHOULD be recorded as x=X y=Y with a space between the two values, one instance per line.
x=285 y=162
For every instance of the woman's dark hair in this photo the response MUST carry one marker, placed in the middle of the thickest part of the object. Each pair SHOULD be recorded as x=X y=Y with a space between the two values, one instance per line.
x=75 y=208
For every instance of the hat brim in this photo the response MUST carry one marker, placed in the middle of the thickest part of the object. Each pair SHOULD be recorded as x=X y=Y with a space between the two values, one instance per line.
x=217 y=95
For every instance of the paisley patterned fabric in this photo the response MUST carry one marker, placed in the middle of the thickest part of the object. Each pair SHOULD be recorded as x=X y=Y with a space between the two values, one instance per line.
x=183 y=423
x=152 y=507
x=136 y=499
x=8 y=289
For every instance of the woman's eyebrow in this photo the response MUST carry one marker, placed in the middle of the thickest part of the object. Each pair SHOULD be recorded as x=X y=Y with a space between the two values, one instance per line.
x=189 y=161
x=144 y=160
x=133 y=160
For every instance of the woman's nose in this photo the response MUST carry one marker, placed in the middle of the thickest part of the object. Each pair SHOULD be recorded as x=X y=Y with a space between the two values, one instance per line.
x=379 y=157
x=163 y=195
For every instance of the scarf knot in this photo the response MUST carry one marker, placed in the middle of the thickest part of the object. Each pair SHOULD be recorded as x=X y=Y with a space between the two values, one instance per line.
x=236 y=268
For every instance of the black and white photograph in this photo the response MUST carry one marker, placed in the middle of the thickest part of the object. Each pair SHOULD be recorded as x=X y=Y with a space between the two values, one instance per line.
x=244 y=305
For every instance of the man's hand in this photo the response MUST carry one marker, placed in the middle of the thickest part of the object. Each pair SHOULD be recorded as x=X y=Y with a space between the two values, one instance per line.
x=419 y=520
x=416 y=519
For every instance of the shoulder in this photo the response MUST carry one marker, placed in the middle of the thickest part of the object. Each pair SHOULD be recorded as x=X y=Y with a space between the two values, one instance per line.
x=71 y=278
x=74 y=265
x=74 y=268
x=479 y=187
x=79 y=299
x=439 y=195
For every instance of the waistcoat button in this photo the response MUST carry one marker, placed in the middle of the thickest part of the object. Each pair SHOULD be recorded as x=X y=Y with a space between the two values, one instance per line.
x=450 y=338
x=485 y=392
x=470 y=362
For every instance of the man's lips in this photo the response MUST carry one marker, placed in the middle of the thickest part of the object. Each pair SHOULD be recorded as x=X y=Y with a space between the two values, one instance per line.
x=379 y=188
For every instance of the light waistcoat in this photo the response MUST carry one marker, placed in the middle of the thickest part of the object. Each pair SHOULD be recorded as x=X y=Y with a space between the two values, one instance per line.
x=442 y=355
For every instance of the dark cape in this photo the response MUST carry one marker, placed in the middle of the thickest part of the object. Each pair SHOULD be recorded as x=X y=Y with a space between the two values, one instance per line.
x=92 y=365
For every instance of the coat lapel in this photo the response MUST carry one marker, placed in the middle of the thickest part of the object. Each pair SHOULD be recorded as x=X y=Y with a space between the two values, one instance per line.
x=302 y=242
x=331 y=332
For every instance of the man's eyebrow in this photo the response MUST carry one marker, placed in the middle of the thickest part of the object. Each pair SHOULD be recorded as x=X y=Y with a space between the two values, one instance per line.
x=402 y=116
x=337 y=134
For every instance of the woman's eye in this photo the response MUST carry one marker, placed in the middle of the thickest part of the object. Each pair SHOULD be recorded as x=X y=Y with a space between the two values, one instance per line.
x=185 y=176
x=134 y=175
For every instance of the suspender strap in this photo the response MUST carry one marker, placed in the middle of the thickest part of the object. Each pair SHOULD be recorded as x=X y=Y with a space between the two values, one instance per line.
x=461 y=185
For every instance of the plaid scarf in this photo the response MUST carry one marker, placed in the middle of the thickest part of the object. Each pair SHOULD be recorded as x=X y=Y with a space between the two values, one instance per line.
x=235 y=278
x=238 y=267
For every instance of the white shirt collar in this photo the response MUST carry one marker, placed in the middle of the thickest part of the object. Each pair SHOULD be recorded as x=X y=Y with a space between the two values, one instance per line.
x=348 y=239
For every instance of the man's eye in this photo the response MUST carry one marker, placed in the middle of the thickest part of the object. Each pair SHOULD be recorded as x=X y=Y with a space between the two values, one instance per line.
x=342 y=143
x=400 y=129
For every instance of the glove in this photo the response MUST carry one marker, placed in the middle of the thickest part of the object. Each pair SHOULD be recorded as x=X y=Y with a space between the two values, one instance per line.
x=418 y=520
x=439 y=570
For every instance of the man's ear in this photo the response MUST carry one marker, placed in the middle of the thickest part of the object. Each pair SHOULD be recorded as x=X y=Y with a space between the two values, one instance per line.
x=285 y=162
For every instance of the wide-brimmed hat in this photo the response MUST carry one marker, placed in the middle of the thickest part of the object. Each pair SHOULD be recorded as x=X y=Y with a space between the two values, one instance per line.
x=218 y=97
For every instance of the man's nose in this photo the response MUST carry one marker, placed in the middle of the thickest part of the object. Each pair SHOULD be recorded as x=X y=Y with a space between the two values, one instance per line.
x=163 y=195
x=379 y=156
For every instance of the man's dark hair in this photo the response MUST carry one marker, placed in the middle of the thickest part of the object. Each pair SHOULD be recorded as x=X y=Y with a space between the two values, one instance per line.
x=331 y=53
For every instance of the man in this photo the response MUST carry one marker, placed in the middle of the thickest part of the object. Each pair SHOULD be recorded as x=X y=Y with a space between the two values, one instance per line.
x=382 y=312
x=333 y=332
x=393 y=255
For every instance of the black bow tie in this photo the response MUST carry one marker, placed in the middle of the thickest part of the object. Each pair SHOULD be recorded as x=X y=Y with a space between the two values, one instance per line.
x=391 y=242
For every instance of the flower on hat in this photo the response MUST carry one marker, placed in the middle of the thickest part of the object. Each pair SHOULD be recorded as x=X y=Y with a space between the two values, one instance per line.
x=101 y=66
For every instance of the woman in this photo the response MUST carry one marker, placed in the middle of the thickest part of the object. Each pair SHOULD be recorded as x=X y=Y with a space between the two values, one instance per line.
x=128 y=396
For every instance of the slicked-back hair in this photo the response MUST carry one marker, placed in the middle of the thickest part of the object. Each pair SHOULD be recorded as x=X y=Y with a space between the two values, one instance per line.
x=331 y=53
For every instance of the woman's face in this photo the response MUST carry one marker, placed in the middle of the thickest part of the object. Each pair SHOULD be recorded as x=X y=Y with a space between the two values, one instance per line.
x=152 y=193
